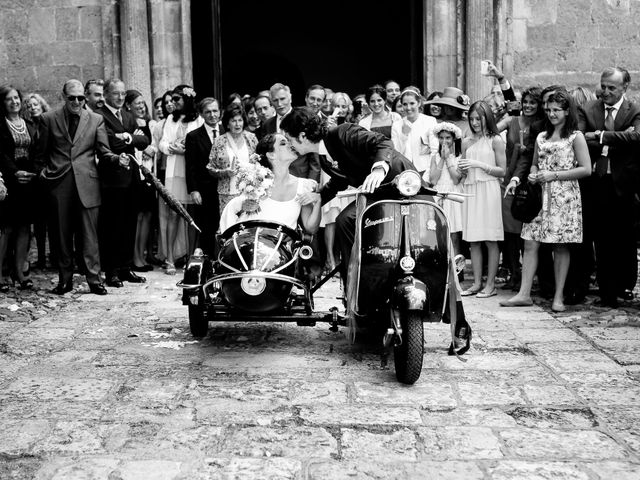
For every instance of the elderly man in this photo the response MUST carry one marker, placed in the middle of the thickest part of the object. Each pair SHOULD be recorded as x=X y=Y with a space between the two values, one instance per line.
x=70 y=139
x=611 y=126
x=120 y=188
x=306 y=166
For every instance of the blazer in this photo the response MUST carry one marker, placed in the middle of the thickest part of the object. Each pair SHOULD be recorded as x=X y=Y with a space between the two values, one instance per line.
x=8 y=165
x=518 y=161
x=624 y=146
x=57 y=153
x=354 y=151
x=219 y=159
x=197 y=150
x=114 y=175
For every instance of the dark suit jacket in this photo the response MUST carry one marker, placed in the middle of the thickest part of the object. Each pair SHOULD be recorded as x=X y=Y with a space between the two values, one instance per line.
x=114 y=175
x=624 y=147
x=57 y=152
x=197 y=150
x=519 y=162
x=354 y=150
x=8 y=165
x=305 y=166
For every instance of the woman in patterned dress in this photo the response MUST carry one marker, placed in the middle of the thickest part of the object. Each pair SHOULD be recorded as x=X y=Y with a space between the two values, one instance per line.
x=560 y=158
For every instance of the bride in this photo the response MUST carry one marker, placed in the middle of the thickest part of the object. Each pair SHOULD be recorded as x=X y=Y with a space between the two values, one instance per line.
x=290 y=199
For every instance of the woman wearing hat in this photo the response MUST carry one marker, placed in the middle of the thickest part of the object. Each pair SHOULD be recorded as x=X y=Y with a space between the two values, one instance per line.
x=453 y=103
x=412 y=136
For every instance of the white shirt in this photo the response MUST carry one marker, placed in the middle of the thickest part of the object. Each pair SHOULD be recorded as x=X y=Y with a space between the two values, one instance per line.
x=210 y=131
x=279 y=119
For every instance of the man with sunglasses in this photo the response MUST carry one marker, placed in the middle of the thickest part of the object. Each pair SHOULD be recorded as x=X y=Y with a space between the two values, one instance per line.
x=70 y=139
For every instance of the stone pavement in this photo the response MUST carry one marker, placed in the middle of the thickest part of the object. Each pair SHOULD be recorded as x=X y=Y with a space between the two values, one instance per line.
x=116 y=388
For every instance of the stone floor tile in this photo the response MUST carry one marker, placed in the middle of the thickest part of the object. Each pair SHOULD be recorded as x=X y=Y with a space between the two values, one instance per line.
x=608 y=394
x=491 y=361
x=550 y=444
x=474 y=394
x=224 y=411
x=287 y=442
x=18 y=436
x=559 y=418
x=398 y=446
x=187 y=443
x=71 y=389
x=422 y=395
x=81 y=438
x=555 y=335
x=20 y=468
x=454 y=443
x=77 y=468
x=328 y=392
x=581 y=361
x=221 y=468
x=148 y=469
x=513 y=469
x=617 y=470
x=463 y=416
x=360 y=415
x=549 y=395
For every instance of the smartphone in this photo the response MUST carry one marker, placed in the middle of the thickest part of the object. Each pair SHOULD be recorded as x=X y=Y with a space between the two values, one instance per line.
x=484 y=67
x=514 y=108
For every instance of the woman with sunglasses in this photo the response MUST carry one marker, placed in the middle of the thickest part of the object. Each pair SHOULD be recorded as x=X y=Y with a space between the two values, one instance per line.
x=184 y=119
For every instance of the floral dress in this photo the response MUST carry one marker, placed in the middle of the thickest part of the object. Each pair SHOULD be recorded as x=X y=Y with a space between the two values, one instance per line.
x=560 y=219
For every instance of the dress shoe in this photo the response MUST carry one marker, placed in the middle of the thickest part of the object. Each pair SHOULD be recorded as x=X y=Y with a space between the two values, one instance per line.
x=606 y=303
x=129 y=276
x=97 y=289
x=62 y=288
x=574 y=299
x=114 y=281
x=626 y=295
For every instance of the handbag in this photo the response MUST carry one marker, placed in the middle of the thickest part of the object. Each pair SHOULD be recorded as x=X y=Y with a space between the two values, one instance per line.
x=527 y=201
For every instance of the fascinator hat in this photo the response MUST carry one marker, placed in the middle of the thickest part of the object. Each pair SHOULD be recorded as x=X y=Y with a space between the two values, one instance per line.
x=448 y=127
x=453 y=97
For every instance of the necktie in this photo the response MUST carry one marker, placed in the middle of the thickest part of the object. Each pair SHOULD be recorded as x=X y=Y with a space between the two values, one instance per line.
x=119 y=116
x=73 y=124
x=602 y=164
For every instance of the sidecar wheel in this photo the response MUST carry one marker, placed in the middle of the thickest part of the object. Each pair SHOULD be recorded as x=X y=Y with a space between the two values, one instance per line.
x=198 y=321
x=408 y=356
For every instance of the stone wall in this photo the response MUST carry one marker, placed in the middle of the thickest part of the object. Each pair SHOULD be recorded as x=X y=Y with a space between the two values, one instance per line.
x=571 y=41
x=45 y=42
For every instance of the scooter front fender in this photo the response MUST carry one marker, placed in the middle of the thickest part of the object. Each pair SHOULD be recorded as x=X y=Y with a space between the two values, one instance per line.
x=410 y=294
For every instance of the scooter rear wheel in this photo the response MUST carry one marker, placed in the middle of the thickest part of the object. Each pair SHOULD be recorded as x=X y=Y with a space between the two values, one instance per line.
x=408 y=356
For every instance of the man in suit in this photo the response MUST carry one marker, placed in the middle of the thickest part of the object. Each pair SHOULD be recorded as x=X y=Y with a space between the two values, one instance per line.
x=611 y=126
x=315 y=97
x=94 y=91
x=70 y=139
x=121 y=187
x=354 y=157
x=305 y=166
x=201 y=185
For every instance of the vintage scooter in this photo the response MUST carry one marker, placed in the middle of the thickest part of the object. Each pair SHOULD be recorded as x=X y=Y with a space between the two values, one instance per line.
x=401 y=268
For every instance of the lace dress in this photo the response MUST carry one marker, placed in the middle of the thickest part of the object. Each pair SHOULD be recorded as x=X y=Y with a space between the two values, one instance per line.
x=285 y=212
x=560 y=220
x=482 y=212
x=452 y=209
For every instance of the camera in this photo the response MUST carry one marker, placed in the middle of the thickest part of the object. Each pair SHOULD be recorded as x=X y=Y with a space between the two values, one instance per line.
x=514 y=108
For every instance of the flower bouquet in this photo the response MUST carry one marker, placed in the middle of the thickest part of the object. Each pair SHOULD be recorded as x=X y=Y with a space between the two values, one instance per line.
x=254 y=183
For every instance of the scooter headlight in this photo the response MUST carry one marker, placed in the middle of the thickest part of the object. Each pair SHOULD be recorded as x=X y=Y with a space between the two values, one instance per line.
x=408 y=183
x=253 y=285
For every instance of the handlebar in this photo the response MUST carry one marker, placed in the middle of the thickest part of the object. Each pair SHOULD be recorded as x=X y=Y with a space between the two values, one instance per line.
x=453 y=196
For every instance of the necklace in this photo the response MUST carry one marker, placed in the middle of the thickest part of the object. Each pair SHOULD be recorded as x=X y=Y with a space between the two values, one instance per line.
x=21 y=128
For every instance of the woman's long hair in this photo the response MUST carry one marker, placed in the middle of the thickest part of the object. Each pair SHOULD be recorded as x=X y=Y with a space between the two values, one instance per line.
x=266 y=145
x=4 y=91
x=483 y=109
x=189 y=110
x=564 y=99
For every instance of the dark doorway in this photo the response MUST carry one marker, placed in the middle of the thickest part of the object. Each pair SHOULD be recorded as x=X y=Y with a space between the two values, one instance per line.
x=346 y=45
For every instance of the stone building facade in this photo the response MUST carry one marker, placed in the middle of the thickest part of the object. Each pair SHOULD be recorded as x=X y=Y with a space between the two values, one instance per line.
x=148 y=42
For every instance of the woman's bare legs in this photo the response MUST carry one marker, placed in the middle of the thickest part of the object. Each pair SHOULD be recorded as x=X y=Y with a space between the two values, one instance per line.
x=561 y=260
x=493 y=259
x=329 y=236
x=529 y=266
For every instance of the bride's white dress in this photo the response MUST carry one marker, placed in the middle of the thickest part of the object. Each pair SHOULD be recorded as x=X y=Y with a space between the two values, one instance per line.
x=286 y=212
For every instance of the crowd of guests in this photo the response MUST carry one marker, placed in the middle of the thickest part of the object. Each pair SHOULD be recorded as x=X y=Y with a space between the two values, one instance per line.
x=87 y=162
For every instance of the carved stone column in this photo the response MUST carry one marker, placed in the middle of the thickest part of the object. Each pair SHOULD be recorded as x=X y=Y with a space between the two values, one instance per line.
x=480 y=34
x=170 y=38
x=134 y=45
x=442 y=29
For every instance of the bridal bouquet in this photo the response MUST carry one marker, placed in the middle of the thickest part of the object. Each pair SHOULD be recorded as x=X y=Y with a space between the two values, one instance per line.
x=254 y=182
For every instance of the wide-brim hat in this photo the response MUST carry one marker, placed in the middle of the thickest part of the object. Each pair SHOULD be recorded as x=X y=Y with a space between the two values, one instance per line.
x=453 y=97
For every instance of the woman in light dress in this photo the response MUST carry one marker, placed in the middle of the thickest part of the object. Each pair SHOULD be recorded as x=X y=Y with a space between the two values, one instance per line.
x=381 y=120
x=291 y=199
x=184 y=119
x=483 y=164
x=413 y=135
x=560 y=158
x=445 y=176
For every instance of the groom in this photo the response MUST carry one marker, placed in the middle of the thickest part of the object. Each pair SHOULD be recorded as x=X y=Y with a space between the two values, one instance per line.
x=356 y=157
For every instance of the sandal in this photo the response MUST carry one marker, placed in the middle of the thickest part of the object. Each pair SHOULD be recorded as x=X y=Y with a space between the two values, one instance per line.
x=491 y=293
x=4 y=287
x=170 y=268
x=470 y=291
x=26 y=284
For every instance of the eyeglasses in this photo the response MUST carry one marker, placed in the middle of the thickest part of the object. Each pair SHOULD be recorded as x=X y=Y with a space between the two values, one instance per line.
x=176 y=98
x=79 y=98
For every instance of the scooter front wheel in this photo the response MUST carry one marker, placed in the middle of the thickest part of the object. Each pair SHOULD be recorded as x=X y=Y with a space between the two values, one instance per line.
x=408 y=355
